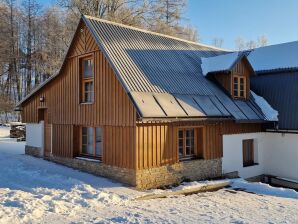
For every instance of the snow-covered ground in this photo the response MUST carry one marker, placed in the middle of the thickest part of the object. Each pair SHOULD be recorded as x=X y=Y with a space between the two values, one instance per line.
x=36 y=191
x=4 y=132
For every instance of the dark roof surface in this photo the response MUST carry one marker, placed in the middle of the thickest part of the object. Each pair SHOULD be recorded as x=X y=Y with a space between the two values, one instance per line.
x=163 y=74
x=281 y=92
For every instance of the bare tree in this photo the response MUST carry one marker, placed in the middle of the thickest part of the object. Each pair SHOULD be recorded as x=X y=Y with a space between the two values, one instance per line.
x=217 y=42
x=163 y=16
x=262 y=41
x=242 y=44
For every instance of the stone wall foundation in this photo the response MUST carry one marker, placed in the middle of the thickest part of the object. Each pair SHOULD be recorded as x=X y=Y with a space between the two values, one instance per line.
x=173 y=174
x=98 y=168
x=33 y=151
x=148 y=178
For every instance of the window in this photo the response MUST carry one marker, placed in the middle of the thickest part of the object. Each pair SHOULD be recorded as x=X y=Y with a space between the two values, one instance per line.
x=239 y=86
x=186 y=142
x=87 y=80
x=91 y=142
x=248 y=152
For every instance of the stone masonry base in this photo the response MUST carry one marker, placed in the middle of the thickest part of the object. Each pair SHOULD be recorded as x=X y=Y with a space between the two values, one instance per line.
x=176 y=173
x=33 y=151
x=148 y=178
x=123 y=175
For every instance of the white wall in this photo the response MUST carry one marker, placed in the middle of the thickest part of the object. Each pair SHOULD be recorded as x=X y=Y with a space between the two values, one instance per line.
x=34 y=135
x=281 y=154
x=276 y=154
x=233 y=158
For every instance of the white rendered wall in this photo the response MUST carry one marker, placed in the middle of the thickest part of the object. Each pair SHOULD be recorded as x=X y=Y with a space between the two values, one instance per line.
x=275 y=153
x=34 y=135
x=233 y=157
x=281 y=155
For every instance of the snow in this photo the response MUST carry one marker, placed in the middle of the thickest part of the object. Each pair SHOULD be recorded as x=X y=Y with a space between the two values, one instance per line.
x=280 y=56
x=218 y=63
x=4 y=132
x=268 y=111
x=37 y=191
x=196 y=184
x=264 y=189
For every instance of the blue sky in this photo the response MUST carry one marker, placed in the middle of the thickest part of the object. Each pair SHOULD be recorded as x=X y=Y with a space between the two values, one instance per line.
x=249 y=19
x=229 y=19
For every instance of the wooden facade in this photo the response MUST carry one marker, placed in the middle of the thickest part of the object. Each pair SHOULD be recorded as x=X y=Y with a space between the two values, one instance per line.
x=241 y=69
x=156 y=143
x=127 y=142
x=112 y=109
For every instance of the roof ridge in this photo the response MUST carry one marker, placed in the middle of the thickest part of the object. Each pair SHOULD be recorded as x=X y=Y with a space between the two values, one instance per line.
x=274 y=45
x=154 y=33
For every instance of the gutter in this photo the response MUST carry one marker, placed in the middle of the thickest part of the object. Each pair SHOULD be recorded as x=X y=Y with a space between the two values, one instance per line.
x=282 y=131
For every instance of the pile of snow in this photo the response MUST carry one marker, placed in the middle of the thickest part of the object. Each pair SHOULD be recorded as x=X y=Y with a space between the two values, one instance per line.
x=280 y=56
x=263 y=189
x=267 y=110
x=218 y=63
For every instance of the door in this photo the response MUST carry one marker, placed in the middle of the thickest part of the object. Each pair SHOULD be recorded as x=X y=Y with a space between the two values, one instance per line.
x=47 y=135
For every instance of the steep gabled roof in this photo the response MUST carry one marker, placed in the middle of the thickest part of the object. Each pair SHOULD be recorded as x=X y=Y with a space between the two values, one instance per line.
x=163 y=75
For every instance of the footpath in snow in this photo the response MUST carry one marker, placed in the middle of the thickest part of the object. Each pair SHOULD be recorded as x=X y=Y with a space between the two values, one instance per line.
x=36 y=191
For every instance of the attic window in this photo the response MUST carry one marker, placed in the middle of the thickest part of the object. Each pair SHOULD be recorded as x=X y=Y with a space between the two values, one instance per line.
x=87 y=80
x=239 y=86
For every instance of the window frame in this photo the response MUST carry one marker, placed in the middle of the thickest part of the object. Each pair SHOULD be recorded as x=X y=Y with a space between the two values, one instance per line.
x=195 y=145
x=94 y=155
x=239 y=90
x=84 y=80
x=248 y=144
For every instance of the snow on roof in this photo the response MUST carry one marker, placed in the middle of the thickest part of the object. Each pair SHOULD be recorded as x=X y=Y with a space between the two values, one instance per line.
x=274 y=57
x=267 y=110
x=219 y=63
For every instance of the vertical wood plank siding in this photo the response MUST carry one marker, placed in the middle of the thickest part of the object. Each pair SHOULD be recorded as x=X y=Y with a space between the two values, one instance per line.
x=243 y=69
x=112 y=109
x=157 y=143
x=226 y=80
x=126 y=143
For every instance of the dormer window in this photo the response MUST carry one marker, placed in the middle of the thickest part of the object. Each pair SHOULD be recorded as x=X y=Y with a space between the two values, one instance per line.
x=239 y=83
x=232 y=71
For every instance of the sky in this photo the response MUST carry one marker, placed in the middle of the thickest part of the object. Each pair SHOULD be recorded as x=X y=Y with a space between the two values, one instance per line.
x=248 y=19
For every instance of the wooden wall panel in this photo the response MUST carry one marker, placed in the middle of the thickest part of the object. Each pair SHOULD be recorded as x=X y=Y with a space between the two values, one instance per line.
x=62 y=140
x=112 y=108
x=242 y=68
x=156 y=143
x=119 y=146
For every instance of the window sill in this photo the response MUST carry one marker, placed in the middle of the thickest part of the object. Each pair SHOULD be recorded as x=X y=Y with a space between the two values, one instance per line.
x=90 y=159
x=87 y=103
x=183 y=159
x=254 y=164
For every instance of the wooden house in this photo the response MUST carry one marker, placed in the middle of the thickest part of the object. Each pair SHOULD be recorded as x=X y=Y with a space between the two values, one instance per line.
x=143 y=108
